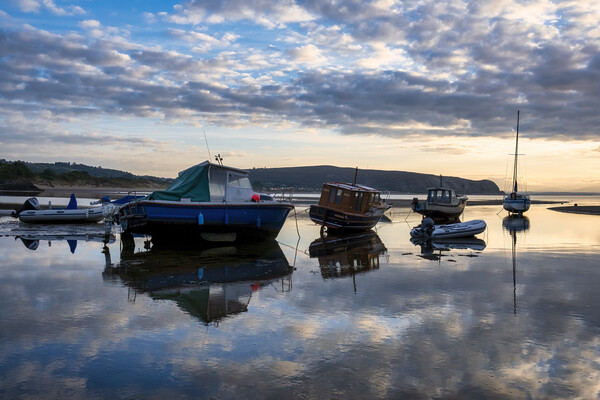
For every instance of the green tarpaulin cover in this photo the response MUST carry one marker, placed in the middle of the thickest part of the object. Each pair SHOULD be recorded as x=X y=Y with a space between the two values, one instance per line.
x=191 y=183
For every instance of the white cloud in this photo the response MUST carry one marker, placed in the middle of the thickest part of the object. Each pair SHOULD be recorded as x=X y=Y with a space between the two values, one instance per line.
x=35 y=6
x=309 y=54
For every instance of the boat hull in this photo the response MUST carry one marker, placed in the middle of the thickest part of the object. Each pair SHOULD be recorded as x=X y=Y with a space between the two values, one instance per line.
x=335 y=219
x=63 y=216
x=170 y=221
x=449 y=231
x=517 y=206
x=439 y=211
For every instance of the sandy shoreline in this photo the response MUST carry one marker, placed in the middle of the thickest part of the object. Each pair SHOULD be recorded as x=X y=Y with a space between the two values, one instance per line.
x=588 y=210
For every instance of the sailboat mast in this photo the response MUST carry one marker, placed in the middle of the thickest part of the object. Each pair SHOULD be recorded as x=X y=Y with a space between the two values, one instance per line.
x=516 y=155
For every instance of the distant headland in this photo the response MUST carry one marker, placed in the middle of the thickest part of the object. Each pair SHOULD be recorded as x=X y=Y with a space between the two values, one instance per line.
x=26 y=176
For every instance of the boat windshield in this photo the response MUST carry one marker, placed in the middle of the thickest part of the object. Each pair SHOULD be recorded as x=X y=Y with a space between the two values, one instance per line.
x=443 y=196
x=239 y=188
x=228 y=185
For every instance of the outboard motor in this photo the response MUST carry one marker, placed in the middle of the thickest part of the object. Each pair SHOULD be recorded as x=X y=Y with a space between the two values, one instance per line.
x=30 y=204
x=29 y=243
x=428 y=226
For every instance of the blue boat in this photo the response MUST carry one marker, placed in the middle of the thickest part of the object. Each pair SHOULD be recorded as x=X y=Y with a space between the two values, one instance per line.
x=207 y=202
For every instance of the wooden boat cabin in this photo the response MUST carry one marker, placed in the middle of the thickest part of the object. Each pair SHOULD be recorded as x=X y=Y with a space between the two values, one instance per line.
x=349 y=206
x=349 y=198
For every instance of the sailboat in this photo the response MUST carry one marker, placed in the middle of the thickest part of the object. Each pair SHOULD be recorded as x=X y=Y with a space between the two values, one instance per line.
x=516 y=202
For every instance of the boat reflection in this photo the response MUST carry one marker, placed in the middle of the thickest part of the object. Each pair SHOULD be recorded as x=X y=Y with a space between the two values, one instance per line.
x=431 y=249
x=208 y=283
x=32 y=241
x=347 y=255
x=515 y=225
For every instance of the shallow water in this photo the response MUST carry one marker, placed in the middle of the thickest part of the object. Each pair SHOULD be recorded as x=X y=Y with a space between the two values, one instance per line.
x=511 y=314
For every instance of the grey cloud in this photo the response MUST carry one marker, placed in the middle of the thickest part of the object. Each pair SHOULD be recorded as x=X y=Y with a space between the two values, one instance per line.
x=553 y=83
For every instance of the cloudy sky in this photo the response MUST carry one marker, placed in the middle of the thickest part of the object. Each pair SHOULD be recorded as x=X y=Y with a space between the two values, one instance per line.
x=431 y=86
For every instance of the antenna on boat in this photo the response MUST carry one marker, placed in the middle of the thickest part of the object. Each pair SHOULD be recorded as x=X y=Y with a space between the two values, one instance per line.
x=219 y=159
x=206 y=140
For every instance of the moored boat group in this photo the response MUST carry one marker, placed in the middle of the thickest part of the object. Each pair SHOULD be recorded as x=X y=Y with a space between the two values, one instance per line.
x=211 y=202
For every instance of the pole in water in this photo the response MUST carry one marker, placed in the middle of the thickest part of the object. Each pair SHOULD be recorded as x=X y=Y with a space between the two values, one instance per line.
x=355 y=174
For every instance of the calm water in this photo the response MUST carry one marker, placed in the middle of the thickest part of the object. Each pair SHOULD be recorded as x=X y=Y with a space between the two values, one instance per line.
x=512 y=314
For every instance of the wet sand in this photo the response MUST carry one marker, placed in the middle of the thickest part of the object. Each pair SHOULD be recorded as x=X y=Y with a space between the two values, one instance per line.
x=588 y=210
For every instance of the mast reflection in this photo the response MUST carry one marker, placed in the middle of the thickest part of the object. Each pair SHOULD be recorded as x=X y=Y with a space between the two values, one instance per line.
x=515 y=225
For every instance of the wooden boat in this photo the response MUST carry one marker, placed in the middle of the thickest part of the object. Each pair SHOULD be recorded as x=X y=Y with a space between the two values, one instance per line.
x=207 y=202
x=31 y=213
x=348 y=206
x=457 y=230
x=441 y=203
x=516 y=202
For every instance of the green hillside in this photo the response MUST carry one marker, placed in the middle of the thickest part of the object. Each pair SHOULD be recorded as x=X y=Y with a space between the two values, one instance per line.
x=312 y=179
x=21 y=175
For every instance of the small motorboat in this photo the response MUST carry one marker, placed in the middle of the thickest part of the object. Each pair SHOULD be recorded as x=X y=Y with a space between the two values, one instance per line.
x=428 y=229
x=441 y=203
x=30 y=212
x=206 y=203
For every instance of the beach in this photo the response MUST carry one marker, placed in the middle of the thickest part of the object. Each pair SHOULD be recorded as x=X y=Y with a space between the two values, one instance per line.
x=576 y=209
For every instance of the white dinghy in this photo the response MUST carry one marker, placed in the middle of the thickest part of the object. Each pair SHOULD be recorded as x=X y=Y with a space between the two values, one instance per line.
x=457 y=230
x=31 y=213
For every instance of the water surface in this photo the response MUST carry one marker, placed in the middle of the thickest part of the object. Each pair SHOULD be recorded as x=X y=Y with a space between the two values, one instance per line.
x=510 y=314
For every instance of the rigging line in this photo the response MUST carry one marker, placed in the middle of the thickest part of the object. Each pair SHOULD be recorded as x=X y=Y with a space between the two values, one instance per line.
x=296 y=251
x=290 y=246
x=297 y=229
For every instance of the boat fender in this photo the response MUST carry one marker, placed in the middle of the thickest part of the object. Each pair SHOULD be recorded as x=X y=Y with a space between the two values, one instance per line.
x=200 y=219
x=255 y=198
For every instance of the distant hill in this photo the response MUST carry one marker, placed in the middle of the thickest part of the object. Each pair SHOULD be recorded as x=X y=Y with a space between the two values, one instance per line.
x=27 y=176
x=99 y=172
x=307 y=179
x=312 y=179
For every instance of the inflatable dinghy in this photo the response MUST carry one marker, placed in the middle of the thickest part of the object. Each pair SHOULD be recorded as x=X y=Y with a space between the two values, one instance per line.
x=457 y=230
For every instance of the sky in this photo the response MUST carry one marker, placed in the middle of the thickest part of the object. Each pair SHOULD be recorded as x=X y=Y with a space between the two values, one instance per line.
x=432 y=86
